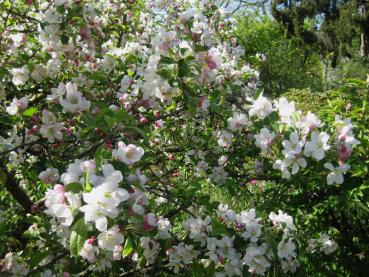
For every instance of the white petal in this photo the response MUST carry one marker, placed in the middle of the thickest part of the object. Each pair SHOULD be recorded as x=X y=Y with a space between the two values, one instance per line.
x=101 y=224
x=329 y=166
x=330 y=178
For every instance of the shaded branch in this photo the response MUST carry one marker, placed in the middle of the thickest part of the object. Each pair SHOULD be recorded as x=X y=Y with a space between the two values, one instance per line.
x=17 y=193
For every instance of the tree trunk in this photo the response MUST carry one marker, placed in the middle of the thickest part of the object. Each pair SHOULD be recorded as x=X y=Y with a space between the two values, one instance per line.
x=364 y=36
x=363 y=46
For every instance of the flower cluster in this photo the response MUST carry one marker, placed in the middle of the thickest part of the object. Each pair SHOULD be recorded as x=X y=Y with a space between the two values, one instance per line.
x=128 y=113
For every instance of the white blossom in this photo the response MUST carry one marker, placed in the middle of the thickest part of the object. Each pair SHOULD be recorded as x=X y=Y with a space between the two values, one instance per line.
x=89 y=252
x=256 y=258
x=181 y=255
x=282 y=220
x=109 y=239
x=309 y=122
x=285 y=110
x=20 y=75
x=225 y=139
x=328 y=246
x=290 y=265
x=49 y=176
x=129 y=154
x=293 y=146
x=264 y=139
x=261 y=107
x=316 y=147
x=286 y=249
x=151 y=249
x=336 y=174
x=74 y=101
x=218 y=175
x=17 y=105
x=238 y=121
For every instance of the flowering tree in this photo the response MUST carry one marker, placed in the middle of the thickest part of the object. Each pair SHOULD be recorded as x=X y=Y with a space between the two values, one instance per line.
x=120 y=119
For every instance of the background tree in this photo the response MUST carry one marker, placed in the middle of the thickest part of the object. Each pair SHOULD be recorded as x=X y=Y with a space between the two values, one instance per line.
x=284 y=63
x=335 y=28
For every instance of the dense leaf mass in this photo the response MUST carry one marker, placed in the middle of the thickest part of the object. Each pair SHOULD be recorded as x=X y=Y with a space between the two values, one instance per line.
x=136 y=139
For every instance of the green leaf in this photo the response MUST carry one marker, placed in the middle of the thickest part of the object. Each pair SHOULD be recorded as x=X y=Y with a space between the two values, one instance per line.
x=122 y=116
x=89 y=120
x=273 y=244
x=197 y=270
x=78 y=237
x=110 y=121
x=30 y=111
x=165 y=73
x=73 y=187
x=87 y=182
x=64 y=39
x=37 y=258
x=6 y=120
x=61 y=9
x=2 y=177
x=359 y=170
x=183 y=68
x=128 y=247
x=167 y=60
x=218 y=228
x=135 y=130
x=99 y=157
x=210 y=270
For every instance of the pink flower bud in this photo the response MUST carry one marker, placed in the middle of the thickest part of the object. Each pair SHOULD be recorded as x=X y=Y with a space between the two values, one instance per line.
x=35 y=118
x=95 y=110
x=344 y=153
x=84 y=32
x=22 y=106
x=159 y=124
x=108 y=145
x=147 y=226
x=143 y=120
x=311 y=127
x=91 y=240
x=342 y=137
x=131 y=212
x=56 y=145
x=122 y=99
x=170 y=251
x=59 y=188
x=68 y=131
x=270 y=142
x=72 y=122
x=212 y=65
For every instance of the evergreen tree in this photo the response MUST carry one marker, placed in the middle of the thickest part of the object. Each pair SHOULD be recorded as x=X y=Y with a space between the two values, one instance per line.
x=332 y=27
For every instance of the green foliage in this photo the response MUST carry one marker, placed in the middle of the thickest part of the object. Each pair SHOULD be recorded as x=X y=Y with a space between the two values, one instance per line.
x=337 y=28
x=78 y=237
x=345 y=209
x=287 y=64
